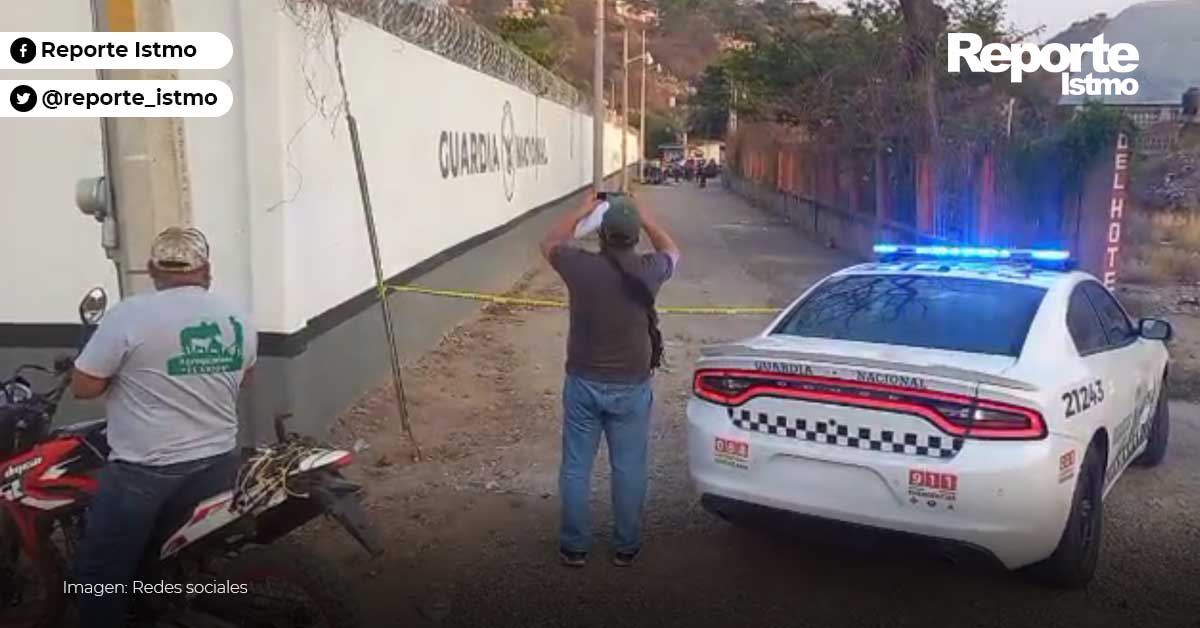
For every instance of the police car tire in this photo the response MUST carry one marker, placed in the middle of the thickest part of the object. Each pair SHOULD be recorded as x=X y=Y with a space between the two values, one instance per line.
x=1073 y=563
x=1160 y=432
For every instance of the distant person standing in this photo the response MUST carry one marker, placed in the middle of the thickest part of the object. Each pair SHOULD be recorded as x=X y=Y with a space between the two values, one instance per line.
x=612 y=349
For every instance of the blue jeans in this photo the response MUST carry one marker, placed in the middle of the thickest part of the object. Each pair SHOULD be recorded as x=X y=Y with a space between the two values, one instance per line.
x=136 y=505
x=622 y=413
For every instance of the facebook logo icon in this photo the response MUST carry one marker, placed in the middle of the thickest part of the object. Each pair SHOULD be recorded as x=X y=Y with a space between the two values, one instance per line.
x=23 y=50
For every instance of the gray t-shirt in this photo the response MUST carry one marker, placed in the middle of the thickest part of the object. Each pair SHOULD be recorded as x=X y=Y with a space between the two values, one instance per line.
x=176 y=359
x=609 y=339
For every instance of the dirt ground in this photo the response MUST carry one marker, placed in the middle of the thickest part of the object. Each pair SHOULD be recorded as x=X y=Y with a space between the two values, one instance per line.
x=471 y=528
x=1180 y=305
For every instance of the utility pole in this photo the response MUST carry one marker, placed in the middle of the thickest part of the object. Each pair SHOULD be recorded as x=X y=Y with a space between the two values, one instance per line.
x=642 y=113
x=733 y=103
x=624 y=103
x=147 y=186
x=598 y=110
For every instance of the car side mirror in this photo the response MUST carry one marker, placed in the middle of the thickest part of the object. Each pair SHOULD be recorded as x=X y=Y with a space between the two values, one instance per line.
x=1155 y=329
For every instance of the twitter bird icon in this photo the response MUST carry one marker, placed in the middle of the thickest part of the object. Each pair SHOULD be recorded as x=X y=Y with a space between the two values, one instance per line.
x=23 y=98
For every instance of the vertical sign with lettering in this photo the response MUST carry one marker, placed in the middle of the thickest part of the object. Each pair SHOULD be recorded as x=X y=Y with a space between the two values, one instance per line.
x=1116 y=210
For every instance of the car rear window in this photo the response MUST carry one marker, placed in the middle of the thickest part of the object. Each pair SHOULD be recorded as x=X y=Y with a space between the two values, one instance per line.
x=953 y=313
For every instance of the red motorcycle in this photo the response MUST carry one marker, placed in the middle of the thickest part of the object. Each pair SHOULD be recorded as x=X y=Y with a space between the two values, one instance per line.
x=218 y=563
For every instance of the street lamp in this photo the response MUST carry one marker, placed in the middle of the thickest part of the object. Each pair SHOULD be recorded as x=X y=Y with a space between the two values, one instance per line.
x=598 y=98
x=646 y=60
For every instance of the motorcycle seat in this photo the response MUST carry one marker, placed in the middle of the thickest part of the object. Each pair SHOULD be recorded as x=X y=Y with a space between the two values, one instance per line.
x=82 y=428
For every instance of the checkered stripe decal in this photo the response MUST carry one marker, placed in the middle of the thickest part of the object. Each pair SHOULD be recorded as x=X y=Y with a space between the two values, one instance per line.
x=832 y=433
x=1132 y=442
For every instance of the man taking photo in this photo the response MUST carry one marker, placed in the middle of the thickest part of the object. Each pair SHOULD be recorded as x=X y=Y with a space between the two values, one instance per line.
x=612 y=349
x=170 y=365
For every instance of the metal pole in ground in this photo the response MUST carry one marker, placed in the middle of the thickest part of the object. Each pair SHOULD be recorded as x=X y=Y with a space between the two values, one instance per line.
x=372 y=236
x=598 y=99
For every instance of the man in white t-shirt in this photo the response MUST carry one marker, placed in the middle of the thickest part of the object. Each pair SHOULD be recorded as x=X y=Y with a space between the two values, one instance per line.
x=169 y=365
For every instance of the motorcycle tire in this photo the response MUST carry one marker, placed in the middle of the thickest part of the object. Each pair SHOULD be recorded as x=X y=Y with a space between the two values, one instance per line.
x=266 y=570
x=44 y=575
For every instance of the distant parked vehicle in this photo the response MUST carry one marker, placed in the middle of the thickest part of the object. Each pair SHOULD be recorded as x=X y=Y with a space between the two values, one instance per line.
x=653 y=172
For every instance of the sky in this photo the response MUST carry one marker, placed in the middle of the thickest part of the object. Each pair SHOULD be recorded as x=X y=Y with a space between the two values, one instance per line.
x=1056 y=15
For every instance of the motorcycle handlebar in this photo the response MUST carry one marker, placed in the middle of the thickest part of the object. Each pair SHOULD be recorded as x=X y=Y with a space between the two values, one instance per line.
x=63 y=366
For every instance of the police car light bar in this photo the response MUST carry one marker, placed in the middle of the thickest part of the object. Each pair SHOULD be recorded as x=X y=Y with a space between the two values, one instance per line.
x=1041 y=257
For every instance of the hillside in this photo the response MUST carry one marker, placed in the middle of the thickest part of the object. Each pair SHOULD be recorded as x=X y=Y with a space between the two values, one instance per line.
x=685 y=37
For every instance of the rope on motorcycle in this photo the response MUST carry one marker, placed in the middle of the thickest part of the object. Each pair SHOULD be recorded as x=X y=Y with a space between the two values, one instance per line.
x=268 y=471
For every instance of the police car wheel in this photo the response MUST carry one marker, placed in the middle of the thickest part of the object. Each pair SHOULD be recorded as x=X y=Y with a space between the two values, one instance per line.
x=1160 y=432
x=1073 y=563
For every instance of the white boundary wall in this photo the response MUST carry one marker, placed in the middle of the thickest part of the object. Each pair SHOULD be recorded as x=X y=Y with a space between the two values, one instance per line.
x=49 y=251
x=273 y=181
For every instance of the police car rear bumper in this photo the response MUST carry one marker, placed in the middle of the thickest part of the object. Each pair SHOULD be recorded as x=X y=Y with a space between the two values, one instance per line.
x=958 y=552
x=1007 y=497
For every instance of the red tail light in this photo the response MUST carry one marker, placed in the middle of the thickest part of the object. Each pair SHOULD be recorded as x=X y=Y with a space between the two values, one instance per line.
x=958 y=415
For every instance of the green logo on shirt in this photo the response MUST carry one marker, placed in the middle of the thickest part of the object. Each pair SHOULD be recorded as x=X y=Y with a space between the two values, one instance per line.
x=204 y=351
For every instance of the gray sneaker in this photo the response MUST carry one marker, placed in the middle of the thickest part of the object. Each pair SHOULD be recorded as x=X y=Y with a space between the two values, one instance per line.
x=625 y=559
x=572 y=559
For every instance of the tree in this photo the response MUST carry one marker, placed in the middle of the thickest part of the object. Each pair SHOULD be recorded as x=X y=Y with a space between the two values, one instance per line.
x=924 y=24
x=710 y=114
x=536 y=37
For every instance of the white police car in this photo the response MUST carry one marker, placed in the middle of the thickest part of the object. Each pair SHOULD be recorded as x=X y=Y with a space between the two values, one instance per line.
x=985 y=397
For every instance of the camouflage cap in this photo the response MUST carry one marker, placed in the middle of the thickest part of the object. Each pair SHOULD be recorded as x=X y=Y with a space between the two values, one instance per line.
x=179 y=250
x=622 y=224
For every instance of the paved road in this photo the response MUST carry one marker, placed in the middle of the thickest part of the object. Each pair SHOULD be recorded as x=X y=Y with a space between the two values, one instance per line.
x=474 y=528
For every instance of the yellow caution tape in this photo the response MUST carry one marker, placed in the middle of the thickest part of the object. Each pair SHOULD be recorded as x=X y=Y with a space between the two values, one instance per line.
x=505 y=299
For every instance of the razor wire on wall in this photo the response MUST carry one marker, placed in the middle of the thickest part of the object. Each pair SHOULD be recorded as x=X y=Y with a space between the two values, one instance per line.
x=444 y=30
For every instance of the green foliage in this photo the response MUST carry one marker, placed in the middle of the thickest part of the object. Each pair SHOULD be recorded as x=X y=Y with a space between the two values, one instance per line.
x=838 y=75
x=1072 y=145
x=710 y=115
x=982 y=17
x=660 y=129
x=1090 y=133
x=845 y=76
x=535 y=37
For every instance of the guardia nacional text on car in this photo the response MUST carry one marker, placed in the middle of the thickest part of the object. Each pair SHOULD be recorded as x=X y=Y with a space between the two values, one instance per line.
x=982 y=397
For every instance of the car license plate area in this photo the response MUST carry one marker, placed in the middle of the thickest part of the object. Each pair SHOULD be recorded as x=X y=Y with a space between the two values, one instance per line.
x=843 y=488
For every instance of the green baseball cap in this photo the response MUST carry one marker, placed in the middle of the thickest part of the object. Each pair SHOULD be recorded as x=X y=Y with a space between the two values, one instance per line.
x=622 y=224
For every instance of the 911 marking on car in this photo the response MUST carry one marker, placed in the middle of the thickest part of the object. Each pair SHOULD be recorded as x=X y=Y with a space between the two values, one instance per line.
x=732 y=453
x=932 y=489
x=1084 y=398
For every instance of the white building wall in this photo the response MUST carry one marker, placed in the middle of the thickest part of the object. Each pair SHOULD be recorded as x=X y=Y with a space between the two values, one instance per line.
x=273 y=181
x=49 y=252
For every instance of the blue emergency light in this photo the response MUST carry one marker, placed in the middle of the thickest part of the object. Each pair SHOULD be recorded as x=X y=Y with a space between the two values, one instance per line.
x=1048 y=258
